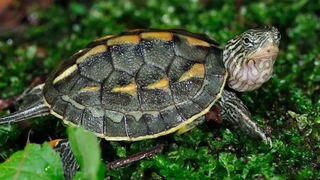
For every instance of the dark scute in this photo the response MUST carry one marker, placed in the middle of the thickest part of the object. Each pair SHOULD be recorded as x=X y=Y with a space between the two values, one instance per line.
x=50 y=93
x=154 y=99
x=59 y=106
x=215 y=72
x=64 y=85
x=121 y=102
x=155 y=123
x=118 y=101
x=184 y=49
x=92 y=123
x=96 y=67
x=185 y=90
x=114 y=129
x=189 y=109
x=129 y=60
x=145 y=45
x=171 y=117
x=157 y=53
x=204 y=99
x=117 y=78
x=178 y=67
x=214 y=84
x=149 y=74
x=135 y=128
x=117 y=49
x=87 y=98
x=73 y=114
x=214 y=63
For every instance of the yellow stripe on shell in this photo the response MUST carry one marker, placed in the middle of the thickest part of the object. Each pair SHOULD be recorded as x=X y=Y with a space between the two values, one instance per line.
x=65 y=73
x=161 y=84
x=132 y=39
x=165 y=36
x=135 y=30
x=196 y=42
x=79 y=51
x=95 y=50
x=73 y=102
x=129 y=89
x=90 y=88
x=197 y=70
x=104 y=38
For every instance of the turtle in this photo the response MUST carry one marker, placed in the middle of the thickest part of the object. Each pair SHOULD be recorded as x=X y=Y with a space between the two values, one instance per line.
x=145 y=83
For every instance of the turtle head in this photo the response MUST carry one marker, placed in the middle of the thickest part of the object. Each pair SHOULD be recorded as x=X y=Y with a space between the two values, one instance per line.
x=249 y=58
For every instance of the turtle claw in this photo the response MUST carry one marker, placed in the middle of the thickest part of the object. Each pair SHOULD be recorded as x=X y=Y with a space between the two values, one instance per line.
x=266 y=139
x=269 y=141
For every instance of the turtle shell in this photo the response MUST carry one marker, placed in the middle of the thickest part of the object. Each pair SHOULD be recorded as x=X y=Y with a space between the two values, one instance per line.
x=139 y=84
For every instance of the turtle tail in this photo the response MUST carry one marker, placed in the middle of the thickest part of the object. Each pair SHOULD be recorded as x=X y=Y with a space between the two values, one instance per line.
x=34 y=110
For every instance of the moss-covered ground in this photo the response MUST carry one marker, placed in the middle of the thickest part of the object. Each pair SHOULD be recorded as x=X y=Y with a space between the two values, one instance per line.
x=288 y=105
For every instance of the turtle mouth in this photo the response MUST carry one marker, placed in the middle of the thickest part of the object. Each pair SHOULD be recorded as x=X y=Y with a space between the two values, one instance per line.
x=268 y=51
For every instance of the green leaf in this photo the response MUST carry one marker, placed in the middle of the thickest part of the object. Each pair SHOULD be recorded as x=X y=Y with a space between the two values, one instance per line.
x=35 y=162
x=227 y=160
x=86 y=149
x=121 y=151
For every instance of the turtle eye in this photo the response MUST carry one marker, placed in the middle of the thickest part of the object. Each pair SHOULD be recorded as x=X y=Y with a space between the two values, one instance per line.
x=277 y=36
x=247 y=42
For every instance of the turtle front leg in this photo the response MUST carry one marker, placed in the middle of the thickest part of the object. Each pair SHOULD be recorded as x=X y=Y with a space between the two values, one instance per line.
x=69 y=162
x=233 y=111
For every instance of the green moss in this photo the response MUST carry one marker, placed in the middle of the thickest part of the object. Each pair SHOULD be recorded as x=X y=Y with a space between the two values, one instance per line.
x=289 y=103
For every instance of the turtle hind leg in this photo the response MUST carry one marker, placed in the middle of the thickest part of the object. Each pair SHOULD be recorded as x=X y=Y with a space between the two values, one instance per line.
x=34 y=110
x=237 y=114
x=191 y=125
x=33 y=106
